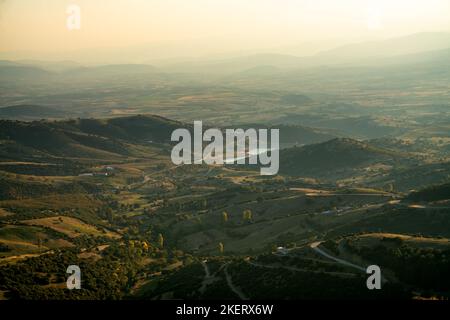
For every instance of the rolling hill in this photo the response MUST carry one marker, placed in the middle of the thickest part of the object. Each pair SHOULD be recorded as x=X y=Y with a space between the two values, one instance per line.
x=27 y=112
x=331 y=157
x=51 y=66
x=433 y=193
x=22 y=73
x=111 y=70
x=415 y=48
x=398 y=46
x=92 y=138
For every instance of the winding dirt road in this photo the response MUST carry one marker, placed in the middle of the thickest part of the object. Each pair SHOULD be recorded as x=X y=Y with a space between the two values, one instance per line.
x=233 y=288
x=315 y=247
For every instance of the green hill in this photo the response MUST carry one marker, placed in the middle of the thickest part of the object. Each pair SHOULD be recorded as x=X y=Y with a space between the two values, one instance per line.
x=90 y=138
x=11 y=188
x=433 y=193
x=331 y=156
x=415 y=177
x=138 y=128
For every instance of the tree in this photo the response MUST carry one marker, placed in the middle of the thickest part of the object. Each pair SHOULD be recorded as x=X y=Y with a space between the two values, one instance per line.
x=160 y=240
x=225 y=216
x=247 y=215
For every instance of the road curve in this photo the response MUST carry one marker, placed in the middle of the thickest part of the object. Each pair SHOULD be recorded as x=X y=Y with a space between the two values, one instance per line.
x=315 y=247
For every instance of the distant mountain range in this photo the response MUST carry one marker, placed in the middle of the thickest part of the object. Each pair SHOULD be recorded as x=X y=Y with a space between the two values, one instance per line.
x=400 y=46
x=30 y=112
x=416 y=48
x=420 y=47
x=13 y=71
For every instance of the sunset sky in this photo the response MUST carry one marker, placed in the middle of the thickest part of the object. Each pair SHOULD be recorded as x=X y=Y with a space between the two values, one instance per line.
x=212 y=25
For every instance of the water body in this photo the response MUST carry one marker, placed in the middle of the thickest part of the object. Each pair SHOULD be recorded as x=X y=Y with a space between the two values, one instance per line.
x=253 y=152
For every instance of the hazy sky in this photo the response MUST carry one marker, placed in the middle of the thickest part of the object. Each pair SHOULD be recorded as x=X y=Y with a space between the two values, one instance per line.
x=212 y=25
